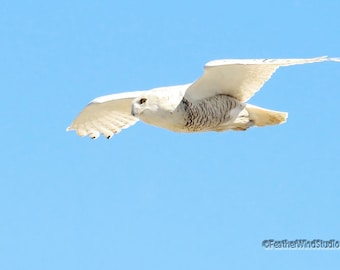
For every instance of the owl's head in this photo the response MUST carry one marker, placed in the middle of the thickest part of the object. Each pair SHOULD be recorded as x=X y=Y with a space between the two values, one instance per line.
x=157 y=107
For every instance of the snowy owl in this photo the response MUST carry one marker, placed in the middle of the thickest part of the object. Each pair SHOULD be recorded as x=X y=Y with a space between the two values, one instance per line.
x=214 y=102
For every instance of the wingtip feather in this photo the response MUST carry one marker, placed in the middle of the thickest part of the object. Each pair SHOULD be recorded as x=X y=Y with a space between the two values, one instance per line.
x=334 y=59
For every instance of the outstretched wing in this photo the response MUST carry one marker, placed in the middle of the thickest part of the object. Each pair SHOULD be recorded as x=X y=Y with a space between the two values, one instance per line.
x=240 y=79
x=107 y=115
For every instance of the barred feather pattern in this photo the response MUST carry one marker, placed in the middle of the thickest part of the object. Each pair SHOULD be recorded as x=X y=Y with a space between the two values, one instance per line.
x=210 y=113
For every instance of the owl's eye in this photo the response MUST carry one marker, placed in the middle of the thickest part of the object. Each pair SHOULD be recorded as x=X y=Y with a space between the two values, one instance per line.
x=142 y=100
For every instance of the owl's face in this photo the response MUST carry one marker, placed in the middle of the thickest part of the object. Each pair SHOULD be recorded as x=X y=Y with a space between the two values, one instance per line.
x=153 y=109
x=145 y=105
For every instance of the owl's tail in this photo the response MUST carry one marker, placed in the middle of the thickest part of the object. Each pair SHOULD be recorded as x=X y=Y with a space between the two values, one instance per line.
x=263 y=117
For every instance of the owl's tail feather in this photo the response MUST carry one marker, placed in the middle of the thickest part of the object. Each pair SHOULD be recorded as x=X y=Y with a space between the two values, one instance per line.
x=263 y=117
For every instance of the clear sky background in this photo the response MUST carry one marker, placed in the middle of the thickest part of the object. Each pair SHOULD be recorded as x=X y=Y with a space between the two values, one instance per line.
x=149 y=198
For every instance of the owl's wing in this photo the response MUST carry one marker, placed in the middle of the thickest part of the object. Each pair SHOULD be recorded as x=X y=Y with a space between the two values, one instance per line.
x=240 y=79
x=107 y=115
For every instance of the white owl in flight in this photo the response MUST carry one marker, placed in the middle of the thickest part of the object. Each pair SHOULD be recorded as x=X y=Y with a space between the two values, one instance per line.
x=215 y=102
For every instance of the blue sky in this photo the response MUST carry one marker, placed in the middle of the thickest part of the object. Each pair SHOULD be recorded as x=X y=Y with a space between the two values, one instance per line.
x=149 y=198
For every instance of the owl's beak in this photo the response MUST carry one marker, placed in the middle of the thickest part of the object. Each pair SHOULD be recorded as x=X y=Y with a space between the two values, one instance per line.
x=134 y=110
